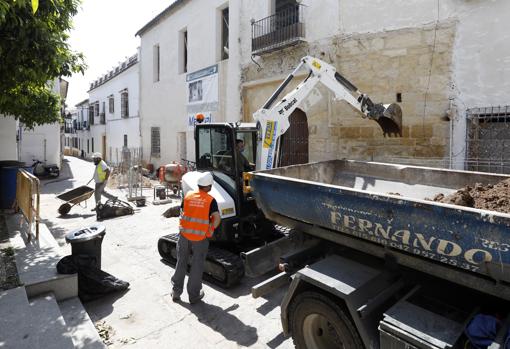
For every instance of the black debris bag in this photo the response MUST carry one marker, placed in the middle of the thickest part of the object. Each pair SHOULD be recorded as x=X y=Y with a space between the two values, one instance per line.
x=93 y=283
x=113 y=208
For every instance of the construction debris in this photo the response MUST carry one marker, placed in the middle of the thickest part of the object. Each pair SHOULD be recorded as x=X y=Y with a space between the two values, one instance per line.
x=173 y=211
x=105 y=332
x=487 y=197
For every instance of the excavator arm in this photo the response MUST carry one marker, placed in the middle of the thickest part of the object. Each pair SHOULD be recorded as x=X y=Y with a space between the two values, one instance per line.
x=273 y=120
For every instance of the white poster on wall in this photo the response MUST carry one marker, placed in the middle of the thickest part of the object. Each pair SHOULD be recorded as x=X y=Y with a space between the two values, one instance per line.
x=202 y=94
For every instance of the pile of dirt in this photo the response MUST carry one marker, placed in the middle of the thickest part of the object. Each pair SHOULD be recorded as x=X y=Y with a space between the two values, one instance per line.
x=488 y=197
x=174 y=211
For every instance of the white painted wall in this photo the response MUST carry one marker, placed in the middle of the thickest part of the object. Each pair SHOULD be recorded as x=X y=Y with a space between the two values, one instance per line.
x=116 y=126
x=42 y=143
x=163 y=103
x=8 y=144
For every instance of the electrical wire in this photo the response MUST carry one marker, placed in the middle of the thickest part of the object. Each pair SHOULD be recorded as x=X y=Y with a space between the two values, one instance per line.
x=431 y=64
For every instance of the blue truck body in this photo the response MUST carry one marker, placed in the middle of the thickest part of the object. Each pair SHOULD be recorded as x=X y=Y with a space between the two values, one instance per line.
x=389 y=206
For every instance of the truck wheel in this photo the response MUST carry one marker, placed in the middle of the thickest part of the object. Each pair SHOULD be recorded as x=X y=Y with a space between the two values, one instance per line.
x=316 y=322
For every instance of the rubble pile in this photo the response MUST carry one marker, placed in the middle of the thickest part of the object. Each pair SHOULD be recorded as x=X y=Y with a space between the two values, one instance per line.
x=488 y=197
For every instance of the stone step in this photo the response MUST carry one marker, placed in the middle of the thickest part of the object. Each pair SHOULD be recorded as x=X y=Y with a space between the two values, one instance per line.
x=79 y=325
x=34 y=324
x=36 y=262
x=48 y=327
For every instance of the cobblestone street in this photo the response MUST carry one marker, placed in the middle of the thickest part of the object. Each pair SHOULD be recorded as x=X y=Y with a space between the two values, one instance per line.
x=145 y=316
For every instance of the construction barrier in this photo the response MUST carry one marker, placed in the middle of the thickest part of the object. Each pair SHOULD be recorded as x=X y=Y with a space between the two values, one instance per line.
x=28 y=200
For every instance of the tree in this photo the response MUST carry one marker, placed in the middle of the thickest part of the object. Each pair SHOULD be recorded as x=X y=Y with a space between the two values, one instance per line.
x=34 y=52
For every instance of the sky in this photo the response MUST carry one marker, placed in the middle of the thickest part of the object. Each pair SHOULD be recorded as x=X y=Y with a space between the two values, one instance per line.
x=104 y=31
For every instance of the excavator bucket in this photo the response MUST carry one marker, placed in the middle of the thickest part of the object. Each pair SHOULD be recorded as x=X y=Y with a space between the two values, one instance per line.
x=390 y=120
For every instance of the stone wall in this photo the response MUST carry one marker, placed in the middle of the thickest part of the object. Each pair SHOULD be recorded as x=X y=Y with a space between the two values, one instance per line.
x=415 y=62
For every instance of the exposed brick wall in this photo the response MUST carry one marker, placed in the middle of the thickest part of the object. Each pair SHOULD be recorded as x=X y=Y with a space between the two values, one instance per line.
x=379 y=64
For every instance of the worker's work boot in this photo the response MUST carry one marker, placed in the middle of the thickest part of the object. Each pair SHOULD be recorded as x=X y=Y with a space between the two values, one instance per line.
x=176 y=297
x=198 y=299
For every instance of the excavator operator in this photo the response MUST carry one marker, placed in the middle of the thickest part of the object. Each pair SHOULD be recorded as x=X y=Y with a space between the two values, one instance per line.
x=243 y=165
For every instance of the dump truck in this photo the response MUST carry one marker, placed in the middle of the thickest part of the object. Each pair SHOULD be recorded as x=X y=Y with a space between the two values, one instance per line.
x=372 y=262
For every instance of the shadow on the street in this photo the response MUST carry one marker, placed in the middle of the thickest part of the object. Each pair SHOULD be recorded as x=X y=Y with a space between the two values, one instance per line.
x=221 y=321
x=77 y=215
x=244 y=288
x=58 y=232
x=102 y=307
x=64 y=182
x=276 y=341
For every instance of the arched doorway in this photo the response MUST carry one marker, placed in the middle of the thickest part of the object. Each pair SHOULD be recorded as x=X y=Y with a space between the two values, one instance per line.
x=294 y=143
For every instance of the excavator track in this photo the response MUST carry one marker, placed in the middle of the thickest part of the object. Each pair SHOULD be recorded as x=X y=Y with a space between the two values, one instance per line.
x=222 y=267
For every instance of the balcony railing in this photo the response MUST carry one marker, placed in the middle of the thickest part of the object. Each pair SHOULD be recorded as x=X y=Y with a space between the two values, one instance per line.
x=284 y=28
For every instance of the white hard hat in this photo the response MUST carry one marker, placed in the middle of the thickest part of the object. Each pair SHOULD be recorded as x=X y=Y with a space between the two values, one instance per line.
x=97 y=156
x=205 y=179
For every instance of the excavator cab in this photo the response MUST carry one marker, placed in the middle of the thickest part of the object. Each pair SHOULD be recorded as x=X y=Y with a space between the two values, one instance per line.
x=227 y=150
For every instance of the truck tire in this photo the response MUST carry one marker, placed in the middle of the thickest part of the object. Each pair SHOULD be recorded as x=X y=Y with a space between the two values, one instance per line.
x=317 y=322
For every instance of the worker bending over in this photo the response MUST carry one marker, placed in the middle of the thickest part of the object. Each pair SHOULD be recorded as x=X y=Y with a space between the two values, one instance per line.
x=199 y=218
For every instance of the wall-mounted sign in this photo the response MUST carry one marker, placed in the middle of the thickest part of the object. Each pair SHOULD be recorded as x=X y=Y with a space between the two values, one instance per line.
x=202 y=91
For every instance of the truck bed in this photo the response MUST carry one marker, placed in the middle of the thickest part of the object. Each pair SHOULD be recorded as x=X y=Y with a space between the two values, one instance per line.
x=385 y=204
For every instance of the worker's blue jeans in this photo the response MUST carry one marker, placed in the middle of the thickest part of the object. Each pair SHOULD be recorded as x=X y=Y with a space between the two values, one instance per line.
x=198 y=249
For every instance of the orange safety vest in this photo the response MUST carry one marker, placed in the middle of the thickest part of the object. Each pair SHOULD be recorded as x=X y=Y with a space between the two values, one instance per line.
x=195 y=224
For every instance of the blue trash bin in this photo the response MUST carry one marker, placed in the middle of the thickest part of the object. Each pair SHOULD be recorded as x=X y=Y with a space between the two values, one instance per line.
x=8 y=172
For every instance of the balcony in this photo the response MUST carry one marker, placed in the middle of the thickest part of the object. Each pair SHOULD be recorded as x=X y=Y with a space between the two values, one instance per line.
x=284 y=28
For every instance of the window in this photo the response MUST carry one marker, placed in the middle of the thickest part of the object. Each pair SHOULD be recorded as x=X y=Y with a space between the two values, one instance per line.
x=92 y=144
x=102 y=119
x=183 y=48
x=155 y=142
x=88 y=145
x=215 y=149
x=125 y=141
x=250 y=140
x=124 y=104
x=96 y=109
x=224 y=33
x=155 y=63
x=91 y=114
x=111 y=104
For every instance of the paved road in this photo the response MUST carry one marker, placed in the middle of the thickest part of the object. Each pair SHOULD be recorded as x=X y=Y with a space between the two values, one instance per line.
x=145 y=316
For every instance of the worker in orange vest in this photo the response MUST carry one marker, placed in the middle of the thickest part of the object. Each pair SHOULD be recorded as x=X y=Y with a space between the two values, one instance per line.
x=199 y=218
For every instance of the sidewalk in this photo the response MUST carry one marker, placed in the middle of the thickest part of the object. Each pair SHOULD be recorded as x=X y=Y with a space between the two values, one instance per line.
x=145 y=316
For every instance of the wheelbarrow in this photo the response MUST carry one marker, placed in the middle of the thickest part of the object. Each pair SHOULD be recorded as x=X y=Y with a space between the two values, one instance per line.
x=74 y=197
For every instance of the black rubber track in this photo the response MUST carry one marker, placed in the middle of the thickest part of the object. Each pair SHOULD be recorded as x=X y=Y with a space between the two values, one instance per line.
x=231 y=263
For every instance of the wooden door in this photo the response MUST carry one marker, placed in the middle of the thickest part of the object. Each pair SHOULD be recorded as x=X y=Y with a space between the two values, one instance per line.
x=294 y=143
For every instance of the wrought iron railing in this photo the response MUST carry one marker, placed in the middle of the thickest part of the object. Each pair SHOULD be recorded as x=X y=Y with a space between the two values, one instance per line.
x=284 y=28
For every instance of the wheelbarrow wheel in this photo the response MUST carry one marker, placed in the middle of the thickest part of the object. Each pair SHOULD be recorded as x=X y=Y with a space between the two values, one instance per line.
x=64 y=209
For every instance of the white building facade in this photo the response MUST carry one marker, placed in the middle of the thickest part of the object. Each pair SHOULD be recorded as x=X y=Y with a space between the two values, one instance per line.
x=43 y=142
x=189 y=65
x=113 y=113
